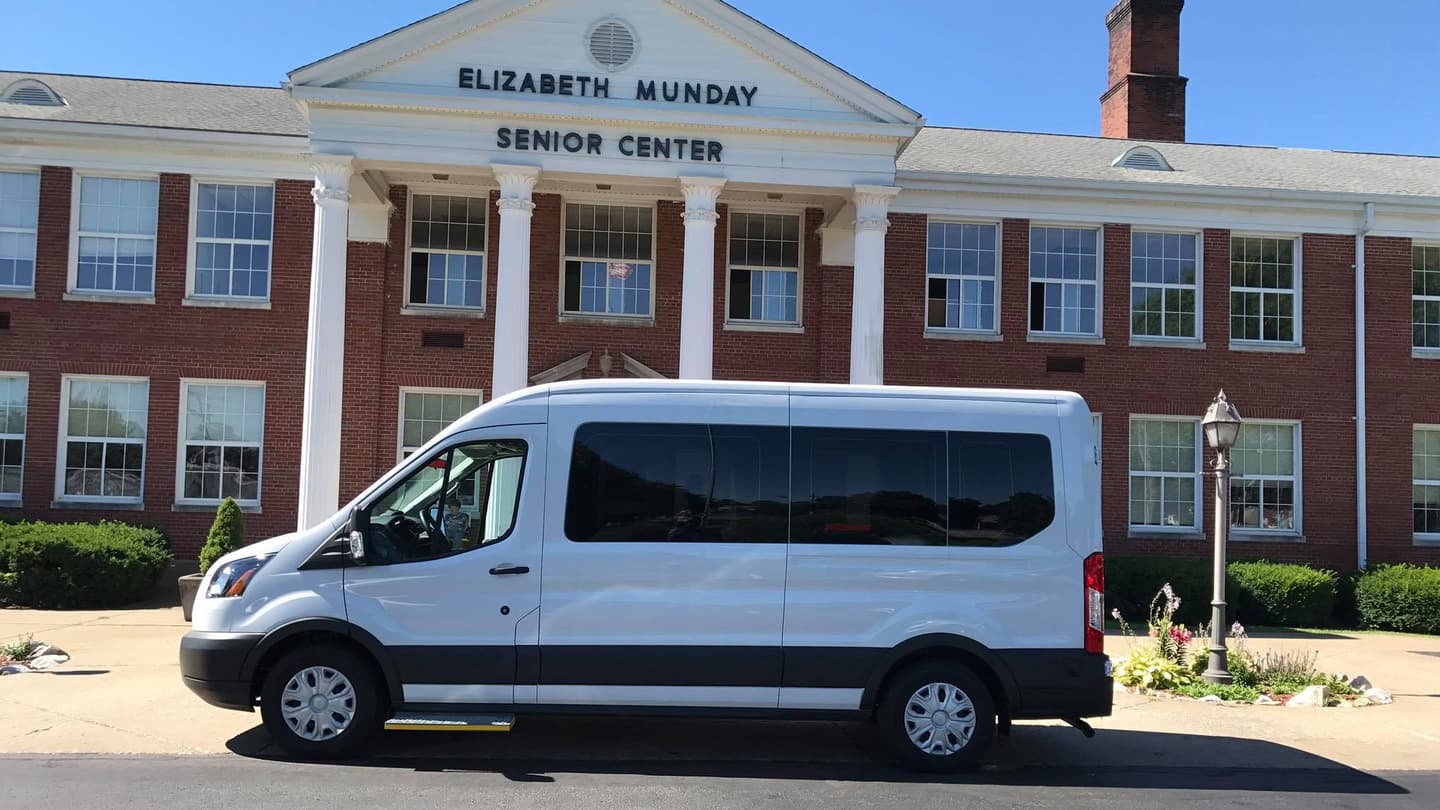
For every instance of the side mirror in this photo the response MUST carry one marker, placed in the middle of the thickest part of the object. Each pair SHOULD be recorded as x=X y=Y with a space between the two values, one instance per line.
x=357 y=547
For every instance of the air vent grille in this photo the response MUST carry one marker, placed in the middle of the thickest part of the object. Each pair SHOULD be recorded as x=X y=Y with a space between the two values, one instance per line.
x=443 y=340
x=612 y=44
x=1143 y=158
x=32 y=92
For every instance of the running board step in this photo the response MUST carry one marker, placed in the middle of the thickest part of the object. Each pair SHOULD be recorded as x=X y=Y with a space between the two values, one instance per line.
x=435 y=721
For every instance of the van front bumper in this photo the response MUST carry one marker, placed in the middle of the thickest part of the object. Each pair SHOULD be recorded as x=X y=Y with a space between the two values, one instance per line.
x=212 y=665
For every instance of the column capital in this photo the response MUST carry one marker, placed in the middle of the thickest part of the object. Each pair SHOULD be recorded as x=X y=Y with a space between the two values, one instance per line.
x=701 y=194
x=872 y=204
x=516 y=182
x=332 y=178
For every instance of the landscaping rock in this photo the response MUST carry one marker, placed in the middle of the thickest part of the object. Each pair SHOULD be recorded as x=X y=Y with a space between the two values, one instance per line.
x=1210 y=699
x=1377 y=695
x=1360 y=683
x=1359 y=702
x=13 y=669
x=1266 y=700
x=1312 y=696
x=49 y=661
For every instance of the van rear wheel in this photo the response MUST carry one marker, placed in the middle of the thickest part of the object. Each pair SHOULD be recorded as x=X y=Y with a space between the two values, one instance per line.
x=322 y=702
x=937 y=716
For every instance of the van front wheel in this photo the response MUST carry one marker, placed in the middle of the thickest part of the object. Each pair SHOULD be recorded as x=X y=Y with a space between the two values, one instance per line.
x=321 y=702
x=937 y=716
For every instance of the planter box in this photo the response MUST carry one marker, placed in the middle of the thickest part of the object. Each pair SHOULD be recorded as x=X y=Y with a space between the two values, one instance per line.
x=189 y=589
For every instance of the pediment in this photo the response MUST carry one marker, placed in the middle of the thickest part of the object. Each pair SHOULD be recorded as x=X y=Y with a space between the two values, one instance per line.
x=662 y=56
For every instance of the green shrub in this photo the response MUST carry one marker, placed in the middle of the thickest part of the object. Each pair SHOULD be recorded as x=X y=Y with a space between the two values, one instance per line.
x=1226 y=691
x=1400 y=597
x=78 y=565
x=1282 y=594
x=1131 y=583
x=1145 y=668
x=227 y=534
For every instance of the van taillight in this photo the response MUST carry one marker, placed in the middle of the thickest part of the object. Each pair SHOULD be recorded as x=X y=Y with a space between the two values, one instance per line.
x=1095 y=603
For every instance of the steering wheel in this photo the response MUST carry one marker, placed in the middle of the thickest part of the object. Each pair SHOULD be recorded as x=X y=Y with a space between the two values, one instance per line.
x=408 y=534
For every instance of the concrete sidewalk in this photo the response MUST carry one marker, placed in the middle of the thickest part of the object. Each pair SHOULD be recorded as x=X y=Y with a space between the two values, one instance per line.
x=121 y=694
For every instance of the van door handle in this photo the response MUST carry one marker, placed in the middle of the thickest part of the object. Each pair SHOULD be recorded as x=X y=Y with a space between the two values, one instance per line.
x=507 y=570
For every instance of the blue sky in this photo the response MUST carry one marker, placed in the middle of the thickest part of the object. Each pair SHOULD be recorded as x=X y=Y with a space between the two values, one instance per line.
x=1340 y=75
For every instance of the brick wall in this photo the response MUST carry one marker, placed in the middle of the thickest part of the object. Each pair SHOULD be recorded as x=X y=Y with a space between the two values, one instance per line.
x=165 y=342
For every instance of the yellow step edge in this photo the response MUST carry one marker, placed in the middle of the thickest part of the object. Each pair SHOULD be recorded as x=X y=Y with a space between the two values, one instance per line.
x=445 y=727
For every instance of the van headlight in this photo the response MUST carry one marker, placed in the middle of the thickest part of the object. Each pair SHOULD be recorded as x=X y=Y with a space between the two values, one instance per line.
x=234 y=577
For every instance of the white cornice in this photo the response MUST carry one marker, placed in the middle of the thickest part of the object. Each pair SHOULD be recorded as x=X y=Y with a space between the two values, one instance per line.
x=229 y=142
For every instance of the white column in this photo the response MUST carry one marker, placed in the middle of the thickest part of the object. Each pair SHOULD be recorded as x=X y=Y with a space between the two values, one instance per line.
x=325 y=345
x=867 y=309
x=697 y=299
x=511 y=349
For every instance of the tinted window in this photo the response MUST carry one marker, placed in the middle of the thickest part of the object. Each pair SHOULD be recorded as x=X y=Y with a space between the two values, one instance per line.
x=696 y=483
x=869 y=487
x=1002 y=488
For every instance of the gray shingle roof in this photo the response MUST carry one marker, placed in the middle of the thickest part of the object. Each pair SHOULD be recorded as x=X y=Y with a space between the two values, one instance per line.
x=172 y=105
x=1070 y=157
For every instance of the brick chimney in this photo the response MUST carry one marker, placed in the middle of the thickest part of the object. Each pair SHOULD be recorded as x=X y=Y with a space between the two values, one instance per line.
x=1146 y=99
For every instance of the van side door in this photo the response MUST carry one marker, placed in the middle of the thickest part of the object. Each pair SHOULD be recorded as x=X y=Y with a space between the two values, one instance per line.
x=452 y=564
x=665 y=550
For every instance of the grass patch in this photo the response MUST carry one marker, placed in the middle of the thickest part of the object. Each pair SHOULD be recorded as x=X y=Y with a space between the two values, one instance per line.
x=1225 y=691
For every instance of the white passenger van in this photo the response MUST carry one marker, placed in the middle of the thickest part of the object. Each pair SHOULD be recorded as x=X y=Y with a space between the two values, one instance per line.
x=924 y=559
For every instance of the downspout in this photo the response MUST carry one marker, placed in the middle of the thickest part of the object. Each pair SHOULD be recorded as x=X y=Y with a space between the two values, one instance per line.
x=1362 y=544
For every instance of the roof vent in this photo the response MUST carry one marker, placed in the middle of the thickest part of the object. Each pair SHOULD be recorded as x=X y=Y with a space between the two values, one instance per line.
x=1144 y=158
x=612 y=44
x=32 y=92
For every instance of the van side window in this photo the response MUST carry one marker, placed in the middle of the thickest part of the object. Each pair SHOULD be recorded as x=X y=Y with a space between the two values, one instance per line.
x=868 y=487
x=1002 y=488
x=678 y=483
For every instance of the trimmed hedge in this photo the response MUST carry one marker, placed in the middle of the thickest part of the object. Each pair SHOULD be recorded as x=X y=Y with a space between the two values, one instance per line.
x=1256 y=592
x=79 y=565
x=1399 y=597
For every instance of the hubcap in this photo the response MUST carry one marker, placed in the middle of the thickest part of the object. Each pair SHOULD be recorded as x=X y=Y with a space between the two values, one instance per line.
x=940 y=719
x=318 y=703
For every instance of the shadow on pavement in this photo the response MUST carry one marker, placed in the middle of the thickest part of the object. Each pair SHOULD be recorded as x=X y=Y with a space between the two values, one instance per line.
x=540 y=749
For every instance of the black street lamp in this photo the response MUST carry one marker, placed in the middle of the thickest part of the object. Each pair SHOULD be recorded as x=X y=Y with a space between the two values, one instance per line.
x=1222 y=427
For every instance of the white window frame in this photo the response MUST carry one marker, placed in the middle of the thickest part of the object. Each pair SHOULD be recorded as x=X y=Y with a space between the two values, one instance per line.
x=183 y=416
x=400 y=446
x=15 y=290
x=1198 y=475
x=997 y=278
x=1030 y=281
x=14 y=498
x=1199 y=287
x=1262 y=533
x=1421 y=351
x=62 y=441
x=1427 y=538
x=1297 y=287
x=796 y=325
x=73 y=270
x=492 y=220
x=565 y=258
x=193 y=298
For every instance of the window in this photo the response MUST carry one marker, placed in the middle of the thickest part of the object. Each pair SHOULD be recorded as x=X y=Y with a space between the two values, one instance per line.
x=103 y=425
x=1262 y=289
x=1064 y=281
x=960 y=277
x=14 y=408
x=1425 y=304
x=1164 y=285
x=1264 y=479
x=765 y=268
x=233 y=225
x=116 y=235
x=678 y=483
x=424 y=413
x=19 y=210
x=608 y=260
x=423 y=518
x=1426 y=461
x=1002 y=488
x=1165 y=473
x=220 y=441
x=868 y=487
x=447 y=251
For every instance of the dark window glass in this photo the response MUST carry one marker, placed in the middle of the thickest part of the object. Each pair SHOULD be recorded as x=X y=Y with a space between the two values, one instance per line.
x=695 y=483
x=868 y=487
x=739 y=295
x=1002 y=488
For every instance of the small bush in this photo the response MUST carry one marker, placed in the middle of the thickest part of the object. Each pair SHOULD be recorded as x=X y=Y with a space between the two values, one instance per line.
x=1400 y=597
x=78 y=565
x=1131 y=583
x=1282 y=594
x=227 y=534
x=1145 y=668
x=1226 y=691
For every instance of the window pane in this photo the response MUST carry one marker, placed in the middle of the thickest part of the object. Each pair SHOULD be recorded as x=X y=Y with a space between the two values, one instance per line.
x=868 y=487
x=1064 y=279
x=608 y=232
x=425 y=414
x=960 y=264
x=1002 y=489
x=678 y=483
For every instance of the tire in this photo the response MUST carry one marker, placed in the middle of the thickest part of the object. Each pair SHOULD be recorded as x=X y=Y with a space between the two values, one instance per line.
x=347 y=720
x=922 y=691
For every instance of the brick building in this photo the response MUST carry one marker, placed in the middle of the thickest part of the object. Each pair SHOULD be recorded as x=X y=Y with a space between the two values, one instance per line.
x=274 y=293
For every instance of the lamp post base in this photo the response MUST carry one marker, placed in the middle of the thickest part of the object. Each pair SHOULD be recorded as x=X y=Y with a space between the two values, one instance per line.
x=1218 y=671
